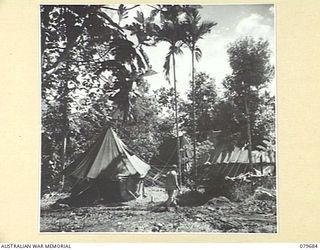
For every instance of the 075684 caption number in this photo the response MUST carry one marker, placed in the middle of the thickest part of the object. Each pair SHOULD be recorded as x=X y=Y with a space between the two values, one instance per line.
x=312 y=245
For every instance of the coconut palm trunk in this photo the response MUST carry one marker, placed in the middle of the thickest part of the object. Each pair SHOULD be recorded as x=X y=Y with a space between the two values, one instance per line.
x=176 y=116
x=195 y=30
x=172 y=31
x=194 y=118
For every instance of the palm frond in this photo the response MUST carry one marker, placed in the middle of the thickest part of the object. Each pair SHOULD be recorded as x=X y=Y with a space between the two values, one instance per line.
x=145 y=57
x=204 y=28
x=141 y=64
x=171 y=32
x=174 y=49
x=198 y=53
x=177 y=49
x=166 y=66
x=193 y=15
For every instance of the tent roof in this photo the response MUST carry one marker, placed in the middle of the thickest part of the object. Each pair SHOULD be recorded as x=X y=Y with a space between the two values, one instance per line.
x=109 y=156
x=238 y=155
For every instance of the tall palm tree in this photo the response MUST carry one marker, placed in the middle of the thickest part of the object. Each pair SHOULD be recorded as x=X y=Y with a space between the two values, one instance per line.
x=171 y=31
x=194 y=31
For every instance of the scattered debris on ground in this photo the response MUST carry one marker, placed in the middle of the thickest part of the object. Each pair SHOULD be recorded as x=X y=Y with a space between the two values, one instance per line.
x=197 y=213
x=264 y=194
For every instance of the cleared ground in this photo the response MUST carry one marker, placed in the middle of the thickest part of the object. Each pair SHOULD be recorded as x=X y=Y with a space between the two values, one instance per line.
x=147 y=215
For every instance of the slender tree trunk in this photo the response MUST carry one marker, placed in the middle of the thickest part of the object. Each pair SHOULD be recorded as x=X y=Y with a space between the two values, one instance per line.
x=65 y=124
x=194 y=119
x=176 y=117
x=65 y=120
x=248 y=131
x=64 y=159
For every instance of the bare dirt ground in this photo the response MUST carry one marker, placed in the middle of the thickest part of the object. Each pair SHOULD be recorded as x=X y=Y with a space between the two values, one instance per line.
x=218 y=215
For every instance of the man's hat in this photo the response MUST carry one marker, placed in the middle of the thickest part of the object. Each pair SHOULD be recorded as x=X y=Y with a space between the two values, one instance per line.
x=174 y=166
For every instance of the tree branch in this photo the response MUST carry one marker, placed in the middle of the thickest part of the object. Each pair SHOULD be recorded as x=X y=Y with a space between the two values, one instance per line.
x=114 y=9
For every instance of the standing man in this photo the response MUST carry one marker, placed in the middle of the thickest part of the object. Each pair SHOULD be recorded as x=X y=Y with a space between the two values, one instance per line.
x=172 y=187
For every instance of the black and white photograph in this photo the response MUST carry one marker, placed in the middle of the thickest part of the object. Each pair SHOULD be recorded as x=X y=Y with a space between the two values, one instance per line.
x=158 y=118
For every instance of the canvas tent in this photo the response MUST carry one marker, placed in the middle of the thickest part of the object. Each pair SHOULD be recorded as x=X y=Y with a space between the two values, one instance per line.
x=238 y=155
x=109 y=170
x=232 y=163
x=235 y=162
